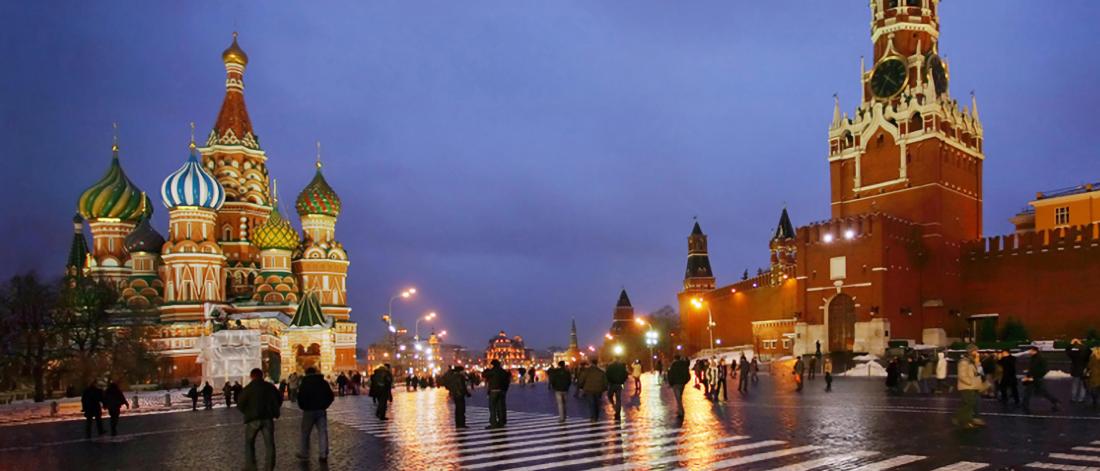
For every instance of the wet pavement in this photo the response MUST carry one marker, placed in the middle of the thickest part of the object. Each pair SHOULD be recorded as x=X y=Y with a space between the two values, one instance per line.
x=856 y=426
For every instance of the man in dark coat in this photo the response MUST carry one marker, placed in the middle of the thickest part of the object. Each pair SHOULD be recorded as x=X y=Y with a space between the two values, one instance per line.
x=560 y=380
x=237 y=388
x=746 y=371
x=314 y=397
x=381 y=387
x=342 y=383
x=594 y=384
x=496 y=381
x=1034 y=384
x=227 y=391
x=455 y=382
x=679 y=374
x=113 y=400
x=193 y=394
x=91 y=403
x=1078 y=359
x=208 y=396
x=616 y=377
x=1008 y=378
x=260 y=404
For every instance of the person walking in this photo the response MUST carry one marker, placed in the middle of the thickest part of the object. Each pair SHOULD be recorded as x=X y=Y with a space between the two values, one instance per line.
x=341 y=384
x=1034 y=384
x=799 y=369
x=356 y=383
x=928 y=374
x=659 y=370
x=970 y=386
x=747 y=371
x=812 y=368
x=636 y=373
x=594 y=383
x=113 y=400
x=827 y=367
x=989 y=371
x=755 y=368
x=193 y=394
x=912 y=373
x=314 y=398
x=679 y=374
x=1079 y=360
x=496 y=381
x=260 y=404
x=893 y=377
x=208 y=396
x=291 y=387
x=560 y=380
x=1008 y=383
x=455 y=382
x=237 y=389
x=522 y=376
x=531 y=375
x=91 y=404
x=711 y=375
x=941 y=373
x=227 y=391
x=381 y=386
x=577 y=377
x=616 y=378
x=1093 y=373
x=720 y=383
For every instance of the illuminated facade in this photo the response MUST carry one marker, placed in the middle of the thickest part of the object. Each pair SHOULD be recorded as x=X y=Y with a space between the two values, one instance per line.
x=509 y=350
x=231 y=258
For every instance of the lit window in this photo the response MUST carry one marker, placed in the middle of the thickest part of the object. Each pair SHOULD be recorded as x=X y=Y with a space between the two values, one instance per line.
x=1061 y=215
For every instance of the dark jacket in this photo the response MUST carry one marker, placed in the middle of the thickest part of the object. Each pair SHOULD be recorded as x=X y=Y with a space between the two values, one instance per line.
x=260 y=400
x=1078 y=359
x=207 y=391
x=679 y=373
x=455 y=382
x=497 y=378
x=314 y=393
x=1008 y=368
x=91 y=402
x=616 y=373
x=1037 y=367
x=593 y=380
x=381 y=383
x=113 y=399
x=560 y=379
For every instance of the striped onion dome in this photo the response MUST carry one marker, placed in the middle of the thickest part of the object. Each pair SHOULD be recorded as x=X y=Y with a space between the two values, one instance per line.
x=113 y=196
x=318 y=198
x=275 y=233
x=192 y=185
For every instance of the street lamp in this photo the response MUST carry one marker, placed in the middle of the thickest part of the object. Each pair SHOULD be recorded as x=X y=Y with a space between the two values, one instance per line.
x=427 y=317
x=699 y=304
x=651 y=341
x=388 y=317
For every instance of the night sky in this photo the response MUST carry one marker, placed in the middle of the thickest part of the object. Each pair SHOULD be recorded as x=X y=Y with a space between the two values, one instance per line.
x=519 y=162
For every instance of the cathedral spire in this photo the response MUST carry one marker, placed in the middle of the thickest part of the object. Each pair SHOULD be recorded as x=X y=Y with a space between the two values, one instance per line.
x=233 y=126
x=573 y=336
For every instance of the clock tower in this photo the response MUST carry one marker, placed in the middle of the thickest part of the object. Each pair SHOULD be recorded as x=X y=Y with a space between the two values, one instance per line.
x=908 y=149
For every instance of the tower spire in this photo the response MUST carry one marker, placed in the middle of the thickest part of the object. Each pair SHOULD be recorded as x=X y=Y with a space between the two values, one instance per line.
x=974 y=105
x=114 y=138
x=192 y=144
x=318 y=155
x=836 y=110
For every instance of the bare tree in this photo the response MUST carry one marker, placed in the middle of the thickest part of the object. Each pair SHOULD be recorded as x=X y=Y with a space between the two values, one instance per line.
x=30 y=342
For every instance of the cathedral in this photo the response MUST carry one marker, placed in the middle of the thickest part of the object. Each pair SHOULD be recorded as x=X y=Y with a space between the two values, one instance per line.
x=903 y=256
x=232 y=260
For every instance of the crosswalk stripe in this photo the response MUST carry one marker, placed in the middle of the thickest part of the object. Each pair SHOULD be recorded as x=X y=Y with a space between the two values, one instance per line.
x=511 y=430
x=1085 y=448
x=1062 y=467
x=1073 y=457
x=627 y=453
x=600 y=447
x=528 y=424
x=725 y=464
x=611 y=436
x=552 y=438
x=890 y=463
x=826 y=461
x=962 y=466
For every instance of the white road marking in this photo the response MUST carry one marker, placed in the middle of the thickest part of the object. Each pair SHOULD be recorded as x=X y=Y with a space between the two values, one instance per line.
x=725 y=464
x=826 y=461
x=963 y=466
x=575 y=446
x=624 y=454
x=1072 y=457
x=1085 y=448
x=1062 y=467
x=891 y=463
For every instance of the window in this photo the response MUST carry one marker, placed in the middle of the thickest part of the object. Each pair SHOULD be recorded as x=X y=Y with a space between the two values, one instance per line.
x=1061 y=215
x=786 y=343
x=769 y=344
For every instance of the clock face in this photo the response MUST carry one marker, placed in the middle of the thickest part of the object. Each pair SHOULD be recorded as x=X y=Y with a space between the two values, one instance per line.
x=889 y=77
x=938 y=72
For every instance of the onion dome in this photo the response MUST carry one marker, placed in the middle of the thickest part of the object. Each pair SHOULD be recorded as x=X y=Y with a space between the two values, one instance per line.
x=192 y=185
x=234 y=54
x=275 y=233
x=113 y=196
x=318 y=198
x=143 y=238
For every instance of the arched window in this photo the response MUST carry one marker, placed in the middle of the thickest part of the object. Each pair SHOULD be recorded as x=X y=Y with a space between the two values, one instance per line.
x=227 y=232
x=916 y=123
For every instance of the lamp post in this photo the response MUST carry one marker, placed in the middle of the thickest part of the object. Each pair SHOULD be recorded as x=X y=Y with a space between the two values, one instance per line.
x=416 y=329
x=388 y=318
x=651 y=341
x=699 y=304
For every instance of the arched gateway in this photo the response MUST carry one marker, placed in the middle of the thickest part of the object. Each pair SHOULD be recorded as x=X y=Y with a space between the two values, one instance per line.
x=842 y=323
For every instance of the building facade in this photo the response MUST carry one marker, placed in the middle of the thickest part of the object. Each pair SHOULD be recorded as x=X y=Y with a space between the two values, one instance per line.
x=509 y=350
x=231 y=258
x=903 y=256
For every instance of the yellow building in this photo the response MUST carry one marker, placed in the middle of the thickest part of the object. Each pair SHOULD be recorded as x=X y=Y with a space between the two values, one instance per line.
x=1074 y=206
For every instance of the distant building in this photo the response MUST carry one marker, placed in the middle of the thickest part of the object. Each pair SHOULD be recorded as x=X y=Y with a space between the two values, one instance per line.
x=509 y=350
x=1066 y=207
x=573 y=353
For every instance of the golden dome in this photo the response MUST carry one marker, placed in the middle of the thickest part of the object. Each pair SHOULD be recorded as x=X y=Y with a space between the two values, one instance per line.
x=234 y=54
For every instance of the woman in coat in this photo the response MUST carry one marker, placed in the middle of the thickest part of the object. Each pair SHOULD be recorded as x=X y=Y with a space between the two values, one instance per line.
x=113 y=400
x=1093 y=373
x=941 y=372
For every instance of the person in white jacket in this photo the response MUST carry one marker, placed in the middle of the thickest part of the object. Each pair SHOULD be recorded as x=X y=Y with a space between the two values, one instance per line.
x=941 y=372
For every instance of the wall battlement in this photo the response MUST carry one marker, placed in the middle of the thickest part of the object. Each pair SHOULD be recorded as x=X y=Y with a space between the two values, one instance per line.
x=1072 y=237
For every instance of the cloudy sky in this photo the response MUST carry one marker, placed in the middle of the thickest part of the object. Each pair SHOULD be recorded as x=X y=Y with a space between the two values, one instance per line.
x=519 y=162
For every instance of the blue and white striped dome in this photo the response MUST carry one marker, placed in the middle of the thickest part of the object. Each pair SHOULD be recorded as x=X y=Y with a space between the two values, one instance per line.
x=192 y=185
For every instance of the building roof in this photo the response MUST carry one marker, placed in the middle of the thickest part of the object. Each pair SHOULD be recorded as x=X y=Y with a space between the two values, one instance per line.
x=309 y=312
x=192 y=185
x=318 y=197
x=233 y=125
x=696 y=230
x=113 y=196
x=784 y=230
x=1074 y=190
x=624 y=300
x=275 y=233
x=144 y=238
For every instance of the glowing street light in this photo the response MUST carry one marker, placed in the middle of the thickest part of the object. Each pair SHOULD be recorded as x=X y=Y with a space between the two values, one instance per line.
x=699 y=304
x=617 y=350
x=416 y=328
